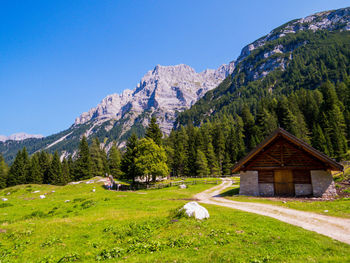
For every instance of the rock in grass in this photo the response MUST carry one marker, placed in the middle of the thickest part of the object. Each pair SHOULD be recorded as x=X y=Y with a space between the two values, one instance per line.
x=67 y=201
x=183 y=186
x=196 y=210
x=37 y=191
x=94 y=190
x=4 y=199
x=42 y=196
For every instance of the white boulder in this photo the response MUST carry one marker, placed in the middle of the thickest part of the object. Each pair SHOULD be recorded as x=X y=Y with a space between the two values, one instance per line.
x=42 y=196
x=183 y=186
x=196 y=210
x=4 y=199
x=37 y=191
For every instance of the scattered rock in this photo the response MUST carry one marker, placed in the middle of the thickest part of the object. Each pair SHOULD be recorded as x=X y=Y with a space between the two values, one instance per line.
x=284 y=202
x=8 y=193
x=37 y=191
x=42 y=196
x=67 y=201
x=183 y=186
x=52 y=191
x=196 y=210
x=4 y=199
x=94 y=190
x=326 y=211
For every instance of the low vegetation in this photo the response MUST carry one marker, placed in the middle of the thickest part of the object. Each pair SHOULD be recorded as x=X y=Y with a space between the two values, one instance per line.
x=74 y=223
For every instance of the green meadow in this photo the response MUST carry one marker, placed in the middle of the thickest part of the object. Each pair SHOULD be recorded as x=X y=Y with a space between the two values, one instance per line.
x=73 y=223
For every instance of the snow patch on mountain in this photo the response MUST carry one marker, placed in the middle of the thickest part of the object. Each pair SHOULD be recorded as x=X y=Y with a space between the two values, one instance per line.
x=19 y=137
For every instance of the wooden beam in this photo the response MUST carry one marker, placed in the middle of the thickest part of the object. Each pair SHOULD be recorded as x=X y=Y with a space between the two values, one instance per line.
x=273 y=158
x=286 y=168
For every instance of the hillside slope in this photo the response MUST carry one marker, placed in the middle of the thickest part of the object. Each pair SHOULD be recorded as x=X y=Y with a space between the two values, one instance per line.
x=302 y=53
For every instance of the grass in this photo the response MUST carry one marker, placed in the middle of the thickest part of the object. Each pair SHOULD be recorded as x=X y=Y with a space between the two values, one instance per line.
x=142 y=227
x=337 y=207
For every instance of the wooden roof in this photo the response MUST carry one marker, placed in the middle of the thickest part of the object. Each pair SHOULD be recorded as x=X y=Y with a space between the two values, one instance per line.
x=291 y=139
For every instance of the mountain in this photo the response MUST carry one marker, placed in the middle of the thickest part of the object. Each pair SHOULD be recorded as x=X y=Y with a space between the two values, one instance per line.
x=19 y=137
x=302 y=53
x=164 y=92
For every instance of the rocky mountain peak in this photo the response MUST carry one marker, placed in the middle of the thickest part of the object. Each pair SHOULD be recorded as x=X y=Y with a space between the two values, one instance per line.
x=163 y=91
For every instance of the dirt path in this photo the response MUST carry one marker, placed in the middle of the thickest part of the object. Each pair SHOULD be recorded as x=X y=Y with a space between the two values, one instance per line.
x=336 y=228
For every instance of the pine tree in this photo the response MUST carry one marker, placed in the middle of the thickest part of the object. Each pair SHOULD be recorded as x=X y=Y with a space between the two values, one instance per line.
x=128 y=161
x=97 y=158
x=45 y=163
x=36 y=175
x=3 y=172
x=201 y=163
x=213 y=164
x=17 y=173
x=219 y=144
x=55 y=175
x=319 y=140
x=66 y=177
x=114 y=162
x=153 y=131
x=83 y=164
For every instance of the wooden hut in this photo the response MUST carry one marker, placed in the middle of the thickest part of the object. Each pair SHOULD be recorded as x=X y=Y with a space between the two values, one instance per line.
x=283 y=165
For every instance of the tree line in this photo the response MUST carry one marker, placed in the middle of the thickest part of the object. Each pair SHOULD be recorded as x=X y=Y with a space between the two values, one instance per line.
x=143 y=158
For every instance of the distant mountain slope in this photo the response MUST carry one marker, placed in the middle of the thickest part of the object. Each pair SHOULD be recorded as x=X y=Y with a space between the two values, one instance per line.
x=300 y=54
x=19 y=137
x=163 y=91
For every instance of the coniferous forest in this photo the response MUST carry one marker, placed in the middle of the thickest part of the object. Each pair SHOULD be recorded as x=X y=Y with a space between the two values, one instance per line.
x=310 y=99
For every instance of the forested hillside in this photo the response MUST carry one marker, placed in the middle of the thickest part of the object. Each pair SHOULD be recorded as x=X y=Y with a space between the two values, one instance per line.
x=308 y=95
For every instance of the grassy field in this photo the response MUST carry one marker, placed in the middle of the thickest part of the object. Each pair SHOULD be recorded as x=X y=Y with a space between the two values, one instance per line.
x=338 y=207
x=141 y=226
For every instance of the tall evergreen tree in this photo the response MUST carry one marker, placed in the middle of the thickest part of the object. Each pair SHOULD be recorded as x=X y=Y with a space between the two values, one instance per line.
x=128 y=166
x=83 y=165
x=66 y=176
x=35 y=174
x=98 y=168
x=114 y=162
x=55 y=172
x=45 y=163
x=153 y=131
x=3 y=172
x=17 y=173
x=202 y=169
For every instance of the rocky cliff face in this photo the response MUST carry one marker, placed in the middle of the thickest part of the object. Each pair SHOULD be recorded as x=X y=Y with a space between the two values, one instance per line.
x=328 y=20
x=163 y=91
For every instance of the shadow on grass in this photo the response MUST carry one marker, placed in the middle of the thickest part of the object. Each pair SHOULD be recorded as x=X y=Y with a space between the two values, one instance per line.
x=231 y=192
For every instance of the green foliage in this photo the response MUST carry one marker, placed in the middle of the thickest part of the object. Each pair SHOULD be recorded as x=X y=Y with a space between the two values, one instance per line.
x=150 y=160
x=3 y=172
x=153 y=131
x=114 y=162
x=128 y=166
x=83 y=164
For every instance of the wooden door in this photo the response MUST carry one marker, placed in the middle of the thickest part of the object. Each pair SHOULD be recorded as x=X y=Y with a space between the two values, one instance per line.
x=284 y=185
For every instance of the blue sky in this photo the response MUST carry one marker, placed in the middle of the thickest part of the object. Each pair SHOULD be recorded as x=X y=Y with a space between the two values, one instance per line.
x=61 y=58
